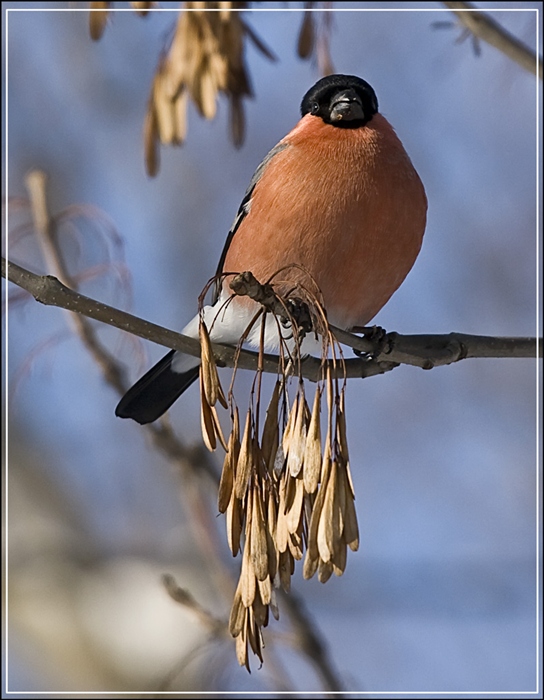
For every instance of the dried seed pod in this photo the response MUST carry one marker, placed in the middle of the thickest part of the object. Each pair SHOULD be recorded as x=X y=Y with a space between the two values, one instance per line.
x=324 y=571
x=287 y=433
x=294 y=514
x=265 y=590
x=306 y=37
x=98 y=19
x=234 y=524
x=329 y=528
x=248 y=583
x=237 y=614
x=286 y=567
x=206 y=419
x=151 y=141
x=212 y=386
x=241 y=644
x=227 y=476
x=270 y=436
x=297 y=439
x=244 y=465
x=259 y=550
x=218 y=429
x=312 y=454
x=310 y=565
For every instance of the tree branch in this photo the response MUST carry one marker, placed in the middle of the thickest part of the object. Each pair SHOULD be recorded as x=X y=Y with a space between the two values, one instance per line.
x=485 y=27
x=425 y=351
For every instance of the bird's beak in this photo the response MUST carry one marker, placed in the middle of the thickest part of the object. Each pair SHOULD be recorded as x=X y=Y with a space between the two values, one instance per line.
x=346 y=106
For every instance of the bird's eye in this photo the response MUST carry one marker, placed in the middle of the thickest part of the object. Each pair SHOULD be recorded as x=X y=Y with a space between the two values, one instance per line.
x=315 y=107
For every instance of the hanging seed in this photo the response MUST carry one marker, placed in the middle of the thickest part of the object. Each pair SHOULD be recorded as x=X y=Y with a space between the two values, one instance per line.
x=206 y=419
x=297 y=441
x=218 y=429
x=270 y=436
x=296 y=545
x=241 y=644
x=285 y=570
x=310 y=565
x=212 y=386
x=294 y=513
x=259 y=551
x=328 y=526
x=247 y=577
x=306 y=36
x=237 y=614
x=341 y=428
x=227 y=478
x=234 y=524
x=339 y=558
x=259 y=609
x=313 y=550
x=245 y=459
x=287 y=433
x=312 y=454
x=265 y=590
x=271 y=525
x=98 y=19
x=325 y=571
x=274 y=605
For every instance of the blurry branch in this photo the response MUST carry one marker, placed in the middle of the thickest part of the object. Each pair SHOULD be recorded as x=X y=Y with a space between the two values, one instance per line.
x=388 y=350
x=193 y=462
x=308 y=640
x=486 y=28
x=46 y=235
x=217 y=627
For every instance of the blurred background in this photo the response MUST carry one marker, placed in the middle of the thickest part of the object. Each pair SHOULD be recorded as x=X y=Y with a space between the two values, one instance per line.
x=441 y=596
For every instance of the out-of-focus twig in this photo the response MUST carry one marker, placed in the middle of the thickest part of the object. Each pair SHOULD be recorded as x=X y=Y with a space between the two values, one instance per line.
x=485 y=27
x=192 y=461
x=425 y=351
x=44 y=225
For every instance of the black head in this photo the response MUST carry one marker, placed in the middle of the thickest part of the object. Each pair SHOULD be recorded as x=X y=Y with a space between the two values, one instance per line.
x=345 y=101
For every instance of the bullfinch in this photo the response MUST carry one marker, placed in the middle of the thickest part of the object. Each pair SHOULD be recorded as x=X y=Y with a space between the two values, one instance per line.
x=337 y=201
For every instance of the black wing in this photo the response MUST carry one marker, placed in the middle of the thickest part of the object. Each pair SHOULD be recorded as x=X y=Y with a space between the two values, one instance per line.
x=243 y=210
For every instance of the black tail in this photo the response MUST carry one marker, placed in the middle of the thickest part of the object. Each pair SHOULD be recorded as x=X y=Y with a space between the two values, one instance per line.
x=155 y=392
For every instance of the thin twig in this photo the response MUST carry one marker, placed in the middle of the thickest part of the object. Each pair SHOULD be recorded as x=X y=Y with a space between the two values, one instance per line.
x=192 y=461
x=485 y=27
x=425 y=351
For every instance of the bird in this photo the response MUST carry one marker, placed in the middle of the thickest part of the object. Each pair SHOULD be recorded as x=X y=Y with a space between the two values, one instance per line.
x=338 y=201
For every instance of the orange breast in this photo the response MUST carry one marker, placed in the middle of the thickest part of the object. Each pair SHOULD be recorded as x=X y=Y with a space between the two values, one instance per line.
x=345 y=204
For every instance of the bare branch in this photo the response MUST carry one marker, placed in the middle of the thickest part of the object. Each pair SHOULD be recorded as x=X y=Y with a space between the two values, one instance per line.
x=485 y=27
x=424 y=351
x=45 y=233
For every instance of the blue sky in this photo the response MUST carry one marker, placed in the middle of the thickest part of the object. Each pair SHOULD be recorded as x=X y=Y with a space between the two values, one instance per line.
x=441 y=595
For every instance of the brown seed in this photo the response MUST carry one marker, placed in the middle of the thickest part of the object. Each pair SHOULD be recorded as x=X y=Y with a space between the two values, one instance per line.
x=227 y=478
x=245 y=464
x=294 y=513
x=218 y=429
x=212 y=386
x=297 y=441
x=306 y=36
x=241 y=645
x=234 y=524
x=259 y=550
x=265 y=590
x=98 y=19
x=270 y=437
x=237 y=614
x=151 y=146
x=325 y=571
x=206 y=419
x=312 y=454
x=318 y=507
x=248 y=582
